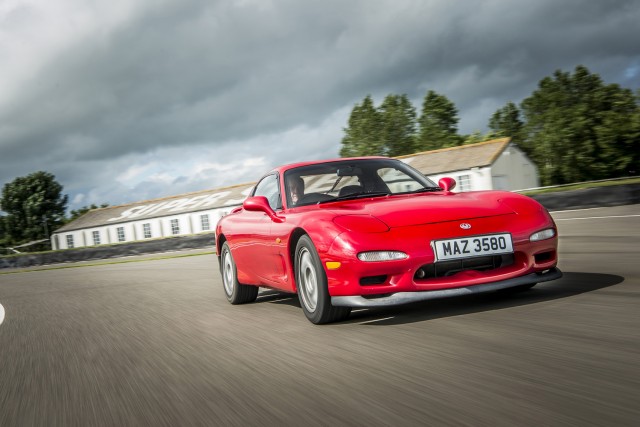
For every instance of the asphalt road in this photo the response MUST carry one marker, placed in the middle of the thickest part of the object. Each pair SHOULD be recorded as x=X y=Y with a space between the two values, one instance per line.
x=155 y=343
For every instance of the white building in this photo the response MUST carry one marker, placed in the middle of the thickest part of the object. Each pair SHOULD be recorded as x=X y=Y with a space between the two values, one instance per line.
x=491 y=165
x=185 y=214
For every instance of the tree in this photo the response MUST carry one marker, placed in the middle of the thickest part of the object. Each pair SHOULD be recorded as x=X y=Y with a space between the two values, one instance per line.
x=506 y=122
x=35 y=206
x=477 y=137
x=77 y=213
x=362 y=136
x=577 y=128
x=3 y=235
x=388 y=130
x=398 y=125
x=438 y=123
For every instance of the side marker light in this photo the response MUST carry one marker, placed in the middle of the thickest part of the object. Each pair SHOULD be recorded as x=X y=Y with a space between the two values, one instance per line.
x=333 y=265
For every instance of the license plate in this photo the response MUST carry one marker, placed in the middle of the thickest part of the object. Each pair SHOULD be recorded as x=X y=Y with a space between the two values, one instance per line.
x=492 y=244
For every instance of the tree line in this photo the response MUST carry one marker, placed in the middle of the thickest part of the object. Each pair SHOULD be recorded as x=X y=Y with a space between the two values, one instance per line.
x=34 y=206
x=574 y=127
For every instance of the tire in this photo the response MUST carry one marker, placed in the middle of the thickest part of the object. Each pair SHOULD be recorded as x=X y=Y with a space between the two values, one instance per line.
x=311 y=280
x=236 y=292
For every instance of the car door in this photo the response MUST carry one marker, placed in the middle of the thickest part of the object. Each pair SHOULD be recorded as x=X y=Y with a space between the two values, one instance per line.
x=254 y=250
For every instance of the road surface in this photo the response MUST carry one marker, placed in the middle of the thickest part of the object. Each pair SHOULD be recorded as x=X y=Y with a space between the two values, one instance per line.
x=155 y=343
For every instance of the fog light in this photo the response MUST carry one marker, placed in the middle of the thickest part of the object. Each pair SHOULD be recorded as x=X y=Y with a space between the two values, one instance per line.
x=542 y=235
x=375 y=256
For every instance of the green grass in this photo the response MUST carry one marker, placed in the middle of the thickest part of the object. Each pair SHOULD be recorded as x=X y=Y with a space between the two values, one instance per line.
x=582 y=186
x=103 y=245
x=79 y=264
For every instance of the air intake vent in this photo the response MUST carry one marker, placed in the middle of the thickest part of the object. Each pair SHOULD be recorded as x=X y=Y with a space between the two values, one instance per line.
x=448 y=268
x=373 y=280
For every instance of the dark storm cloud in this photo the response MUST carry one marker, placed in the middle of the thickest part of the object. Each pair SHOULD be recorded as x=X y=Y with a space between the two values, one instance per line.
x=177 y=76
x=226 y=73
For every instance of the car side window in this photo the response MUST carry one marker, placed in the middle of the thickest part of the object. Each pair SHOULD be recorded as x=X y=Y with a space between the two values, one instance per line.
x=269 y=188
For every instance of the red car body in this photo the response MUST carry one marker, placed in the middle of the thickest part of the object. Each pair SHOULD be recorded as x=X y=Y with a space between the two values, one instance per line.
x=375 y=249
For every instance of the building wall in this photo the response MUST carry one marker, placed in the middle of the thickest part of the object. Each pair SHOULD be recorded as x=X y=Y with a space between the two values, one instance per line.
x=474 y=179
x=188 y=223
x=513 y=170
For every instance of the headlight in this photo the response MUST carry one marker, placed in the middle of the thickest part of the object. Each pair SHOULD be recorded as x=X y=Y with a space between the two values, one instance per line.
x=375 y=256
x=542 y=235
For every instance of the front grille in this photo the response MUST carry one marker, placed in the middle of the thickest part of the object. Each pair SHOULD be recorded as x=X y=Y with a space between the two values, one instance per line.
x=448 y=268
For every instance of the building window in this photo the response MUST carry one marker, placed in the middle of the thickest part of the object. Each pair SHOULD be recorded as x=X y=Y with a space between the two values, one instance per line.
x=204 y=220
x=120 y=231
x=70 y=241
x=396 y=180
x=146 y=228
x=96 y=237
x=464 y=183
x=175 y=226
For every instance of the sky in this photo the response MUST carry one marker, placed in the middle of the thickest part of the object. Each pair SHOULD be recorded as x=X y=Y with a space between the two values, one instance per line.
x=125 y=101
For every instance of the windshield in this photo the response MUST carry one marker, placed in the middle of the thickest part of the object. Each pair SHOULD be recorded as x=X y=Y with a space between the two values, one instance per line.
x=350 y=179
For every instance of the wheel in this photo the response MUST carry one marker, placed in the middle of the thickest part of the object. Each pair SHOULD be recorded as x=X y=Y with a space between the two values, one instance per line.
x=236 y=292
x=311 y=281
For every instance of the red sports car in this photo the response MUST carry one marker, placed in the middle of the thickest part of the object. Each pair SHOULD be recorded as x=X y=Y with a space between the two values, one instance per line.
x=372 y=231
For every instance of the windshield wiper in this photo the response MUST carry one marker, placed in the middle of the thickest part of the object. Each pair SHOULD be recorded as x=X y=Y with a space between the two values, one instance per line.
x=356 y=196
x=422 y=190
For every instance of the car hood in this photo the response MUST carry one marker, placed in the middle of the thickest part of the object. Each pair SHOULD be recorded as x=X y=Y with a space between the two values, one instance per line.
x=428 y=208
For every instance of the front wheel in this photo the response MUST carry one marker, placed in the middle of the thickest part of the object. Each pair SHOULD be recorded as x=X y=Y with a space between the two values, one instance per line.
x=236 y=292
x=311 y=281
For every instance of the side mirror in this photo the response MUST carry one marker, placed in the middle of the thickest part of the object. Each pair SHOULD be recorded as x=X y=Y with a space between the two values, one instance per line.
x=447 y=184
x=260 y=204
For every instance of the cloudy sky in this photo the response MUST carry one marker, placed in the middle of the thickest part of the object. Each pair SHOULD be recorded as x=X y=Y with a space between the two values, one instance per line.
x=129 y=100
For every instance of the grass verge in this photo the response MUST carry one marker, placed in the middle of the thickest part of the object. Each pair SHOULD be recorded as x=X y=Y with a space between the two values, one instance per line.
x=582 y=186
x=99 y=263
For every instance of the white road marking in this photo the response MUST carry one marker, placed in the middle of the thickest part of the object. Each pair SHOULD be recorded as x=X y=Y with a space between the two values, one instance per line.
x=376 y=320
x=1 y=314
x=578 y=210
x=596 y=217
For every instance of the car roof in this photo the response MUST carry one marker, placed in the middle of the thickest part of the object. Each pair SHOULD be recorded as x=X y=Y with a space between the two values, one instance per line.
x=286 y=167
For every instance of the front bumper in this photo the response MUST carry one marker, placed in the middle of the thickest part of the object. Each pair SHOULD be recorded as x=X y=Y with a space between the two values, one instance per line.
x=399 y=298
